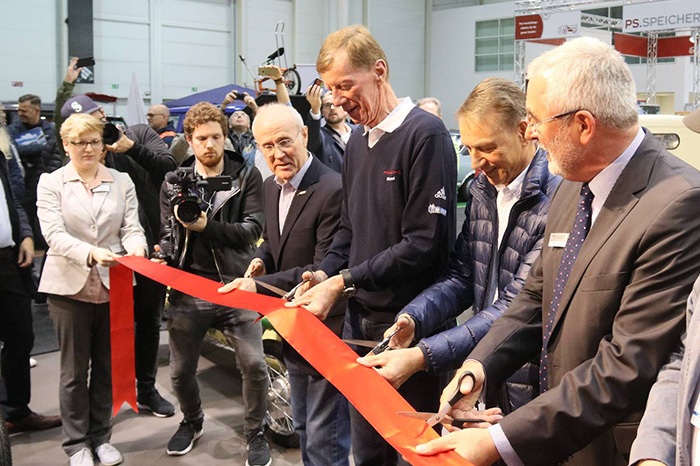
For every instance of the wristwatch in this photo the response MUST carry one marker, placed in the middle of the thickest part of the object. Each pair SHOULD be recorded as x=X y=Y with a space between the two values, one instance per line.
x=349 y=287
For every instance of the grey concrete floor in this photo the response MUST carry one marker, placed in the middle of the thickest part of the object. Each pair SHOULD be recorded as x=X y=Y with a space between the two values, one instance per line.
x=142 y=438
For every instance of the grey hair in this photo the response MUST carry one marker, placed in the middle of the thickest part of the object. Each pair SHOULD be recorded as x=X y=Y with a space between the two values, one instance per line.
x=277 y=109
x=588 y=74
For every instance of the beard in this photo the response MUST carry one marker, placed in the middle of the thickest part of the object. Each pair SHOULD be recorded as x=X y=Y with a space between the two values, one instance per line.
x=563 y=157
x=210 y=159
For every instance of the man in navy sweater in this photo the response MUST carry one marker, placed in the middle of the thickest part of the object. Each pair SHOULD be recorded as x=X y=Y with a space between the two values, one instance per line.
x=398 y=212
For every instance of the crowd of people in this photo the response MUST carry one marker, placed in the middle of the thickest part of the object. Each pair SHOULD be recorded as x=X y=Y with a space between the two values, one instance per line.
x=577 y=257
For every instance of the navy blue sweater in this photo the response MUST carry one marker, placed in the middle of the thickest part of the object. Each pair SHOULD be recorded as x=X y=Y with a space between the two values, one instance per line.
x=398 y=214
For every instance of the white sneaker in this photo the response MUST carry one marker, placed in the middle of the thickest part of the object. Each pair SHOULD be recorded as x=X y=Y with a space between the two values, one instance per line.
x=32 y=362
x=108 y=455
x=82 y=458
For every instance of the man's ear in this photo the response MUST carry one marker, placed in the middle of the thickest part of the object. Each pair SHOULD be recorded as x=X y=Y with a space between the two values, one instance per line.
x=380 y=69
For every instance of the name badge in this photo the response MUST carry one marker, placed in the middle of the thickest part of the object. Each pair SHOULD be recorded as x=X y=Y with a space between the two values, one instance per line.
x=103 y=188
x=558 y=240
x=695 y=418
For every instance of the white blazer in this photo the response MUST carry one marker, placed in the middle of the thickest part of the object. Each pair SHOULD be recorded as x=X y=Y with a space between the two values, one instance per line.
x=73 y=223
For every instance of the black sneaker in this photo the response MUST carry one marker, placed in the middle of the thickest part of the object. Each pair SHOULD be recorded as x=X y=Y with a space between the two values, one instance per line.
x=156 y=404
x=258 y=450
x=183 y=440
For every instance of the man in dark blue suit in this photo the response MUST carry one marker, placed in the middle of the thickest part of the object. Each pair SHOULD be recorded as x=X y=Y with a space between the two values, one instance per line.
x=16 y=255
x=302 y=213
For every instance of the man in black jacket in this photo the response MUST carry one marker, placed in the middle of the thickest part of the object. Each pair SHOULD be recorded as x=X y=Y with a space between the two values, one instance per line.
x=327 y=142
x=141 y=153
x=218 y=244
x=16 y=254
x=302 y=214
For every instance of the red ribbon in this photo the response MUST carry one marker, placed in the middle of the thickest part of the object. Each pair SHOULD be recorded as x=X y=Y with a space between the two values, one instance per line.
x=373 y=396
x=121 y=321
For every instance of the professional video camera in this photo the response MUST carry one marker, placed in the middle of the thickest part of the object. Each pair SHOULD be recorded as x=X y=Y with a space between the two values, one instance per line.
x=187 y=193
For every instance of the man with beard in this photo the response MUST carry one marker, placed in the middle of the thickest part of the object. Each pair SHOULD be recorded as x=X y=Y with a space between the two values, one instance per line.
x=218 y=245
x=604 y=304
x=327 y=142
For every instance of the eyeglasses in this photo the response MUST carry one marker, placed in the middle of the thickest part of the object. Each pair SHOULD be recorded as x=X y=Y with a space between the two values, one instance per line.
x=327 y=105
x=151 y=115
x=283 y=145
x=534 y=126
x=82 y=145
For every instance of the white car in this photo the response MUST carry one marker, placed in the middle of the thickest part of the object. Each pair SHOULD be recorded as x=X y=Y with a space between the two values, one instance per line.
x=676 y=137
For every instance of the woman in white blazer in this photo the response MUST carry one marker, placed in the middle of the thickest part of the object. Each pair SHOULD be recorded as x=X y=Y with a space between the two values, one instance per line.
x=88 y=215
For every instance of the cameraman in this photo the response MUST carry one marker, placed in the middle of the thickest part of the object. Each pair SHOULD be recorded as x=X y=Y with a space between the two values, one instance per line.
x=218 y=244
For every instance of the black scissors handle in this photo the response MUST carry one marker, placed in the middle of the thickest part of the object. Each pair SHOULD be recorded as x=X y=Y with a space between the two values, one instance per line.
x=458 y=394
x=384 y=344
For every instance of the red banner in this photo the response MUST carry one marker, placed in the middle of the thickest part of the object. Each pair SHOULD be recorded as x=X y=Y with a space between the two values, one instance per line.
x=373 y=396
x=667 y=47
x=121 y=321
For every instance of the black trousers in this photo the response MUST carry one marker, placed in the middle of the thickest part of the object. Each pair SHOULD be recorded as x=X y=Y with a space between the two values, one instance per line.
x=17 y=336
x=148 y=307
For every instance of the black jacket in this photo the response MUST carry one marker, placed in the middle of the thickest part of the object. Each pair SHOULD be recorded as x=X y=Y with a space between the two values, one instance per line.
x=326 y=143
x=226 y=246
x=146 y=163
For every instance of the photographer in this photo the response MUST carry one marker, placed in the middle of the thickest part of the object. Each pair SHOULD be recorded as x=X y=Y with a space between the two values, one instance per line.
x=141 y=154
x=217 y=243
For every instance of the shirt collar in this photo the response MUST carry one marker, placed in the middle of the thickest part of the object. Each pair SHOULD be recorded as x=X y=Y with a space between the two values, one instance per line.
x=391 y=122
x=603 y=182
x=515 y=187
x=296 y=179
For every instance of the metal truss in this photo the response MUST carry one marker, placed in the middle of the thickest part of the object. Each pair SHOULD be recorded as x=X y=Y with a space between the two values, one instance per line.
x=519 y=67
x=652 y=55
x=696 y=68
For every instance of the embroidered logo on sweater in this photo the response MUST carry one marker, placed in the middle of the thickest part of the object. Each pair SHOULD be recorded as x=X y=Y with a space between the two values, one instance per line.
x=441 y=194
x=433 y=209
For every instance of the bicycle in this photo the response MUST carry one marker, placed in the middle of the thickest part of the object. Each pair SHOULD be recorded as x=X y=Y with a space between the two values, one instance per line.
x=290 y=75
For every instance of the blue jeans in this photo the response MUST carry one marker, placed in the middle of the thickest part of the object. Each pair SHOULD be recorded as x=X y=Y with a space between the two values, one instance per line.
x=421 y=390
x=188 y=321
x=320 y=414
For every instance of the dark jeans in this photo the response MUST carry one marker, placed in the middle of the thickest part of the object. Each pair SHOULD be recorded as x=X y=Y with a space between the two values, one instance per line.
x=17 y=336
x=320 y=414
x=148 y=307
x=188 y=321
x=422 y=391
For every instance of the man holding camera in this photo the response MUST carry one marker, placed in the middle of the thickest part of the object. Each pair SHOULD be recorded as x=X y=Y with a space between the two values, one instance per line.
x=217 y=243
x=141 y=154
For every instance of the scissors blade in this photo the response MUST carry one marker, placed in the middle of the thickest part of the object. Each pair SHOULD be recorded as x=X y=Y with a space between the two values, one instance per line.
x=364 y=343
x=384 y=344
x=458 y=422
x=278 y=291
x=290 y=294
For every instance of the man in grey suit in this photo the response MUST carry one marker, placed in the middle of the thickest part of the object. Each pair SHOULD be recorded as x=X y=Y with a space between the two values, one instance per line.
x=603 y=305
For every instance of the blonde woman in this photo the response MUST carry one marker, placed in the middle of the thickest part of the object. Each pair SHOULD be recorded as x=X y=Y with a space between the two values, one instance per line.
x=88 y=215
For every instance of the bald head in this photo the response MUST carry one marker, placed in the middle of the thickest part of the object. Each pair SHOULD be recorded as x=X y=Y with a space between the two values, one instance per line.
x=281 y=137
x=158 y=116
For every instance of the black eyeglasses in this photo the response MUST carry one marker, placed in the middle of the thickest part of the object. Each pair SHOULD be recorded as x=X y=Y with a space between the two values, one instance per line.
x=82 y=145
x=534 y=126
x=327 y=105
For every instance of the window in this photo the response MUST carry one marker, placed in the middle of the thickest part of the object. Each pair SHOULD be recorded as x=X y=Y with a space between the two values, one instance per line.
x=494 y=45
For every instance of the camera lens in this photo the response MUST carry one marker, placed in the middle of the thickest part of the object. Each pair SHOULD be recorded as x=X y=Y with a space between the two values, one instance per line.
x=188 y=210
x=111 y=134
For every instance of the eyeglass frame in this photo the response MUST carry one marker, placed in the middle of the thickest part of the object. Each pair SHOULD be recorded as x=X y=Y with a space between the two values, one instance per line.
x=534 y=126
x=282 y=145
x=151 y=115
x=82 y=145
x=327 y=105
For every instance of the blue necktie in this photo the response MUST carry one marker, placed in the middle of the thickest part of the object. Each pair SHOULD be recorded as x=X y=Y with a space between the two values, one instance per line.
x=582 y=224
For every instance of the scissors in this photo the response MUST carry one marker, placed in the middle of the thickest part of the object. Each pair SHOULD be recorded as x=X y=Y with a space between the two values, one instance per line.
x=448 y=421
x=379 y=347
x=446 y=408
x=288 y=295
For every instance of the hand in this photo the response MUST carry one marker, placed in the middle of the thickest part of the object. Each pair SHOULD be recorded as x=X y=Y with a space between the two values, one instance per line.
x=230 y=97
x=319 y=299
x=313 y=96
x=475 y=445
x=103 y=257
x=121 y=146
x=250 y=102
x=256 y=268
x=489 y=417
x=396 y=366
x=312 y=279
x=25 y=256
x=198 y=225
x=157 y=251
x=274 y=72
x=71 y=72
x=404 y=338
x=470 y=391
x=138 y=252
x=245 y=284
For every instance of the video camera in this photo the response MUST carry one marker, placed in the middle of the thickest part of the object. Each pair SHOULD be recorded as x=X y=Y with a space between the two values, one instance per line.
x=188 y=190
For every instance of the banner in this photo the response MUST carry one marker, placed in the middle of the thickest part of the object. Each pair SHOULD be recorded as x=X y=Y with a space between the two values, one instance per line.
x=658 y=16
x=548 y=25
x=373 y=396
